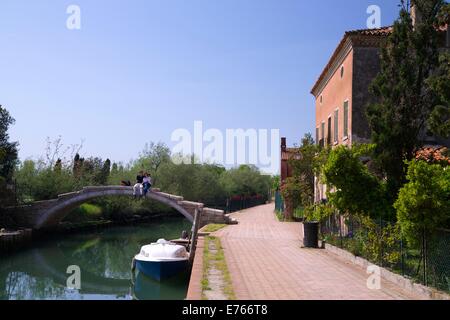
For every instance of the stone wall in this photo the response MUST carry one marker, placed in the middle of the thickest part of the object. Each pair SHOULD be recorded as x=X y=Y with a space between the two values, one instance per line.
x=213 y=216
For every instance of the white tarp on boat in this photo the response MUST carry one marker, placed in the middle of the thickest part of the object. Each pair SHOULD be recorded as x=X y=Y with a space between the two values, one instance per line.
x=163 y=250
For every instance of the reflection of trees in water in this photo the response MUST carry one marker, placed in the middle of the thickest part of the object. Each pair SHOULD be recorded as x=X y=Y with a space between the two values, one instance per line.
x=40 y=273
x=144 y=288
x=20 y=286
x=109 y=259
x=109 y=254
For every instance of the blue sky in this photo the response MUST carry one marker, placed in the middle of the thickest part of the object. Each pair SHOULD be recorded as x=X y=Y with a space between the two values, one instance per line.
x=139 y=69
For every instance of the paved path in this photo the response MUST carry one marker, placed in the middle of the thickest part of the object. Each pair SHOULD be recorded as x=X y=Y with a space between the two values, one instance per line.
x=266 y=262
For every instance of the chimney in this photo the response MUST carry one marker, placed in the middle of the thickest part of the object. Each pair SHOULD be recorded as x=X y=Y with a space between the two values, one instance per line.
x=415 y=13
x=283 y=144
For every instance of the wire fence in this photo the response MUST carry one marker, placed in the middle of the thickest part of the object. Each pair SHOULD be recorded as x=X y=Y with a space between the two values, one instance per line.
x=426 y=260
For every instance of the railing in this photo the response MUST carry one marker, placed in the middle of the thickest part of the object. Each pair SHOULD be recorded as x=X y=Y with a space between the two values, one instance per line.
x=279 y=204
x=240 y=203
x=427 y=261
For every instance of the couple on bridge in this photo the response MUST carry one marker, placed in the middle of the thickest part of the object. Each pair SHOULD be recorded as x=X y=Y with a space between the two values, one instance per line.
x=143 y=184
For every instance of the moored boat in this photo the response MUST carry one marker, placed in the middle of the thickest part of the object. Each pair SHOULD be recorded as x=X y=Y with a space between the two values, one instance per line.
x=162 y=260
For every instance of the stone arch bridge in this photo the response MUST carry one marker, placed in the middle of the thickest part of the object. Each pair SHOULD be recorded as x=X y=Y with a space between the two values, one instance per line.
x=48 y=214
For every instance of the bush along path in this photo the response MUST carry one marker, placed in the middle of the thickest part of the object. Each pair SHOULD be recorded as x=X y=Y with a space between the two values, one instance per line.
x=216 y=282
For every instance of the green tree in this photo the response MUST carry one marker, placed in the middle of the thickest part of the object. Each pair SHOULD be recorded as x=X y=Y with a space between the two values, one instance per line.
x=291 y=190
x=404 y=100
x=92 y=171
x=8 y=157
x=8 y=150
x=423 y=204
x=298 y=190
x=351 y=187
x=25 y=176
x=193 y=181
x=439 y=82
x=152 y=158
x=114 y=169
x=77 y=166
x=48 y=183
x=303 y=169
x=245 y=180
x=104 y=173
x=439 y=121
x=58 y=166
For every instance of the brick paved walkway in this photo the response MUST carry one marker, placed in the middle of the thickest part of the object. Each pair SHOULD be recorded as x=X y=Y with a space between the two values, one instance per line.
x=266 y=262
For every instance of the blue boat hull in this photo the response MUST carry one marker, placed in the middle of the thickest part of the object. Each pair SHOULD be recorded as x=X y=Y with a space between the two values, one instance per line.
x=161 y=270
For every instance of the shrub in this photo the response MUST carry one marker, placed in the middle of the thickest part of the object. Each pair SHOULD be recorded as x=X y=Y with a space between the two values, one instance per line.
x=423 y=204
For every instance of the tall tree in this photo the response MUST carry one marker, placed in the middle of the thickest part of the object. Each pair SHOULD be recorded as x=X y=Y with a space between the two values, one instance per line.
x=153 y=156
x=439 y=82
x=8 y=156
x=77 y=166
x=114 y=169
x=298 y=190
x=405 y=101
x=104 y=172
x=439 y=121
x=58 y=166
x=303 y=168
x=8 y=150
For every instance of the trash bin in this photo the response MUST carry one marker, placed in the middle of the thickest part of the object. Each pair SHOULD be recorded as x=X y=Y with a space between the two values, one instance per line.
x=311 y=234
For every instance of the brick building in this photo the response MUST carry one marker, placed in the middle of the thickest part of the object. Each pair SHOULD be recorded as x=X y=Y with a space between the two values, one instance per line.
x=286 y=155
x=342 y=90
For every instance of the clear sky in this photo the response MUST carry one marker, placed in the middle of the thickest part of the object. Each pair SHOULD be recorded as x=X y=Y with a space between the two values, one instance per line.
x=140 y=69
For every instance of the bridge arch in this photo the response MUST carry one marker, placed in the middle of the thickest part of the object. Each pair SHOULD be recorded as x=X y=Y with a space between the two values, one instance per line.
x=54 y=211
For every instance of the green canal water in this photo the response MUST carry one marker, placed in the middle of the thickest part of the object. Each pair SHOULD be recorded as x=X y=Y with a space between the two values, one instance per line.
x=104 y=258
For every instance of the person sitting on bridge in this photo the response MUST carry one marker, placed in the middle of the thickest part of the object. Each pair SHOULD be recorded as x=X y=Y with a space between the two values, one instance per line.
x=138 y=185
x=147 y=183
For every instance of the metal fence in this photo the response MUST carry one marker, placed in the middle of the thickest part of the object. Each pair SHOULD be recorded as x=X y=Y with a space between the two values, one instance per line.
x=426 y=260
x=240 y=202
x=279 y=204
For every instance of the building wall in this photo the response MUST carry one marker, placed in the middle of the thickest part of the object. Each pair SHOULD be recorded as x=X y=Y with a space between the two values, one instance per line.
x=334 y=94
x=366 y=65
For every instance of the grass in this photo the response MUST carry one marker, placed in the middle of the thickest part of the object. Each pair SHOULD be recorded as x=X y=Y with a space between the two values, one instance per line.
x=216 y=260
x=206 y=263
x=213 y=227
x=90 y=210
x=84 y=213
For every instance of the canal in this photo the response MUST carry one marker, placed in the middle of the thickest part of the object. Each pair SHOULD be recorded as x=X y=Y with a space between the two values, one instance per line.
x=104 y=258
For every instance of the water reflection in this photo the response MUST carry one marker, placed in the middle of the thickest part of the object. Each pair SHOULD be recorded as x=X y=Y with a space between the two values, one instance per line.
x=104 y=258
x=145 y=288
